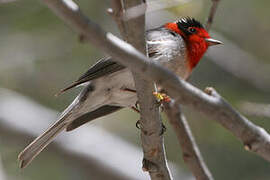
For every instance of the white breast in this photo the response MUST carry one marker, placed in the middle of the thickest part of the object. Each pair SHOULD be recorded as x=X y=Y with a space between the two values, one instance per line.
x=169 y=49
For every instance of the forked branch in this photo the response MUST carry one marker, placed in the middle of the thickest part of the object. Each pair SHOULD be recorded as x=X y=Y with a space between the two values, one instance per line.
x=255 y=138
x=212 y=14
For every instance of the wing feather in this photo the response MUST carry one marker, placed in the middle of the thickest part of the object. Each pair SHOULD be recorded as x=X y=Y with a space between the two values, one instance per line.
x=103 y=67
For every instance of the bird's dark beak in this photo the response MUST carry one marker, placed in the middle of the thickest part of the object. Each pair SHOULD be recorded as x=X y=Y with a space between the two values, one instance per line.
x=212 y=42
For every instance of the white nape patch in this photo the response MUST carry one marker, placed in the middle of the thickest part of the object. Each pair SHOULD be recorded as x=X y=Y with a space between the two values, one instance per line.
x=72 y=5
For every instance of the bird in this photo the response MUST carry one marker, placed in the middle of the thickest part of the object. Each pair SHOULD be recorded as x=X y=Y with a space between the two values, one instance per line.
x=109 y=86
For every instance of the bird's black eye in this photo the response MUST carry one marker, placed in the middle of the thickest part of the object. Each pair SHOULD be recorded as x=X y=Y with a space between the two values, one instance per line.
x=192 y=30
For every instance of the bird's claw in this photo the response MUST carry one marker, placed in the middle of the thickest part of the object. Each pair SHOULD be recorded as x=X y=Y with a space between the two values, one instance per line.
x=138 y=125
x=163 y=129
x=137 y=104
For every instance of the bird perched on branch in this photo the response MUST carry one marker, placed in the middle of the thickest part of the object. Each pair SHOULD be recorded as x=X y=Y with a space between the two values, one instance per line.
x=109 y=86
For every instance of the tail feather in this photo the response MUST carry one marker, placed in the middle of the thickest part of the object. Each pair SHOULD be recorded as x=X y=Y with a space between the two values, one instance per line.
x=102 y=111
x=33 y=149
x=69 y=114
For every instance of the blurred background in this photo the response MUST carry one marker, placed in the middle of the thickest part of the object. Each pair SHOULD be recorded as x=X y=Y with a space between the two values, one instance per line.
x=39 y=55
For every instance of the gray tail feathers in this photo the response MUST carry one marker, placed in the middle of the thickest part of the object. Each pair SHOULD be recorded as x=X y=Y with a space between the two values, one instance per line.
x=33 y=149
x=102 y=111
x=70 y=113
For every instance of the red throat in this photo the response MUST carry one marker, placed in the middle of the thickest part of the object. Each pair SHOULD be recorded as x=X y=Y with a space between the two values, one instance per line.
x=196 y=48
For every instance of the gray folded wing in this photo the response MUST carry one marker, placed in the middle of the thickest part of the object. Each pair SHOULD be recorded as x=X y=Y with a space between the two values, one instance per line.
x=103 y=67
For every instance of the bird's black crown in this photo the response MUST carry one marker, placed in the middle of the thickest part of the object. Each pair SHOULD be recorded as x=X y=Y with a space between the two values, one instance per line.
x=187 y=22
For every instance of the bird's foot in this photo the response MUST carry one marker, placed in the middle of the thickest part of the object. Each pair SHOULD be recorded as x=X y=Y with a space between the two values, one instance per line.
x=136 y=109
x=138 y=125
x=163 y=129
x=137 y=104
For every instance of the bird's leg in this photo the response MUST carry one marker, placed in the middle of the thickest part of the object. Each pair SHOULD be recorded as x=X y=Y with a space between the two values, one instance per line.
x=136 y=109
x=138 y=125
x=161 y=97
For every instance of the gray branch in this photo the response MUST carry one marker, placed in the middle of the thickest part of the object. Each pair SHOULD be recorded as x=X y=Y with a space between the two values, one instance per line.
x=255 y=138
x=190 y=151
x=133 y=31
x=212 y=14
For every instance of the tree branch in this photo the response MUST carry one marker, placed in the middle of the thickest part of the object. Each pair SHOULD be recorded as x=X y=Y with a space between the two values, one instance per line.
x=255 y=138
x=212 y=14
x=190 y=151
x=133 y=30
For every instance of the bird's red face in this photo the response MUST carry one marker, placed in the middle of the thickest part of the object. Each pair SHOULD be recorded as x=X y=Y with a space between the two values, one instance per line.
x=196 y=37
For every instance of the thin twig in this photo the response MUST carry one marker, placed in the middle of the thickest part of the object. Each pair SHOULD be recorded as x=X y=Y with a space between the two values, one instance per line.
x=117 y=12
x=255 y=138
x=133 y=31
x=190 y=151
x=212 y=14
